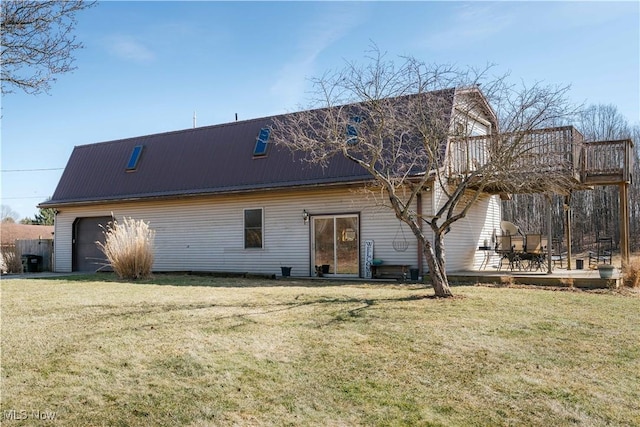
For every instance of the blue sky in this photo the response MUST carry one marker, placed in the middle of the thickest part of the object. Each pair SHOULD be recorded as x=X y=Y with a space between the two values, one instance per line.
x=147 y=66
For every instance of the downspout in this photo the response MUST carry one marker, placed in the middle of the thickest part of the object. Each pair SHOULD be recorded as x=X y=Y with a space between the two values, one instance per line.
x=53 y=246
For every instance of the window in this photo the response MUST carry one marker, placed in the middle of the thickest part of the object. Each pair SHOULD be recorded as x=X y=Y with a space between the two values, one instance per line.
x=262 y=142
x=253 y=228
x=352 y=130
x=135 y=156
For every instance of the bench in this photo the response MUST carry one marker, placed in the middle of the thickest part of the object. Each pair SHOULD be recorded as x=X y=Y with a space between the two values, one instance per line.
x=390 y=271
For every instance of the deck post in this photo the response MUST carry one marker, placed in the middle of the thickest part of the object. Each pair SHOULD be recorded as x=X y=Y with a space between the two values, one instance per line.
x=549 y=198
x=567 y=213
x=624 y=223
x=420 y=247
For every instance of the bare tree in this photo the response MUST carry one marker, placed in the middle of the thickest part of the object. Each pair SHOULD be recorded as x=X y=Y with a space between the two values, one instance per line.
x=37 y=42
x=396 y=120
x=7 y=214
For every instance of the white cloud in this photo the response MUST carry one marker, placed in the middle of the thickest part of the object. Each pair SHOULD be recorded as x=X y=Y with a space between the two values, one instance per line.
x=471 y=23
x=126 y=47
x=321 y=33
x=475 y=24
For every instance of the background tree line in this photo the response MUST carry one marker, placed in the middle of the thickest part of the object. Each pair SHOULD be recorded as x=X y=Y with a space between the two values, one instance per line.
x=593 y=212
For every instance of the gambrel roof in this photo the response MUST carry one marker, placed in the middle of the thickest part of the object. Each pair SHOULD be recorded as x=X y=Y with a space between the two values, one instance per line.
x=200 y=161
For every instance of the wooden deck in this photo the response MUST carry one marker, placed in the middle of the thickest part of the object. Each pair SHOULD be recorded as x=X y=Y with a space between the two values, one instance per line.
x=562 y=278
x=583 y=279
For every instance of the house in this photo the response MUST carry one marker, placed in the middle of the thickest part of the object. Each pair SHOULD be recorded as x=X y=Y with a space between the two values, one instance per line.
x=222 y=198
x=12 y=231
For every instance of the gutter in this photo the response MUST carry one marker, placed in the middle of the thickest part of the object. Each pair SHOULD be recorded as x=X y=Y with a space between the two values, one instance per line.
x=192 y=194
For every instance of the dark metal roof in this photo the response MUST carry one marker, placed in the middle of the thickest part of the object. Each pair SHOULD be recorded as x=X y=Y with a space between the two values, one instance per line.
x=204 y=160
x=212 y=159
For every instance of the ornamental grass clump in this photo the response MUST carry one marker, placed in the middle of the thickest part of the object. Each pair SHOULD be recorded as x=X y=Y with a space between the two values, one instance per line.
x=631 y=273
x=128 y=247
x=10 y=261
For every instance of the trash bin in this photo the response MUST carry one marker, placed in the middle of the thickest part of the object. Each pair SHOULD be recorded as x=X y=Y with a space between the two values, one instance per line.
x=414 y=272
x=579 y=264
x=286 y=271
x=31 y=263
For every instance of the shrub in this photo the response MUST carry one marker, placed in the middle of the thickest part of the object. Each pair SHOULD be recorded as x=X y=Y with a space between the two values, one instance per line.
x=10 y=261
x=128 y=247
x=631 y=273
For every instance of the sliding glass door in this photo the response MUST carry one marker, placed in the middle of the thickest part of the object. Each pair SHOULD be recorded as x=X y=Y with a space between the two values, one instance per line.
x=335 y=244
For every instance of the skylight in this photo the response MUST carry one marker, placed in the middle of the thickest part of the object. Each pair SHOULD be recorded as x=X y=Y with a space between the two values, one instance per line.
x=352 y=130
x=135 y=156
x=261 y=142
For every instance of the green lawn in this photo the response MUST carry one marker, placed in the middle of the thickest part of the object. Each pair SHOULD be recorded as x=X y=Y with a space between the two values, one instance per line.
x=199 y=351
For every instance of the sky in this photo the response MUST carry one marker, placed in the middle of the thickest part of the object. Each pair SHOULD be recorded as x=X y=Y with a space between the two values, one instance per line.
x=147 y=66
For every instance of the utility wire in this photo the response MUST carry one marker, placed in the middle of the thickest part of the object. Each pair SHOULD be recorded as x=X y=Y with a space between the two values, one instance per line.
x=32 y=170
x=24 y=198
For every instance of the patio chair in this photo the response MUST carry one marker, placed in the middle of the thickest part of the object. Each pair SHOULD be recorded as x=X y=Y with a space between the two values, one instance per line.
x=536 y=245
x=509 y=228
x=518 y=244
x=503 y=247
x=602 y=255
x=557 y=255
x=511 y=249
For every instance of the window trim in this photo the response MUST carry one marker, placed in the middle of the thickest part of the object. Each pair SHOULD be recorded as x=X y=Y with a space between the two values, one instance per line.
x=245 y=228
x=262 y=142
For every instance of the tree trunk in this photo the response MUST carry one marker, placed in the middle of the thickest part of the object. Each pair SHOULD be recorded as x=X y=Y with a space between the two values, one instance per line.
x=436 y=271
x=435 y=259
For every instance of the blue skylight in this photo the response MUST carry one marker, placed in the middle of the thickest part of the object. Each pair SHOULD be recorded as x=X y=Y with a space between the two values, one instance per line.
x=135 y=156
x=352 y=130
x=262 y=142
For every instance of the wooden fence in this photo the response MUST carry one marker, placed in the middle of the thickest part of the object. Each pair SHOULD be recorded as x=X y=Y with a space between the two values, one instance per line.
x=39 y=247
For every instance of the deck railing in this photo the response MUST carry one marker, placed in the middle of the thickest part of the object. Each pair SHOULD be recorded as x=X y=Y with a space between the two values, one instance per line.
x=553 y=149
x=607 y=161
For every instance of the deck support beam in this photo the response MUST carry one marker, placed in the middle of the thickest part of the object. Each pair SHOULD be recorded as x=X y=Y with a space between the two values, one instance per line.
x=549 y=198
x=567 y=214
x=624 y=223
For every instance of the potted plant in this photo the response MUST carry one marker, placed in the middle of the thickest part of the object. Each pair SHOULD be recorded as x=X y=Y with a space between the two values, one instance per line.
x=606 y=271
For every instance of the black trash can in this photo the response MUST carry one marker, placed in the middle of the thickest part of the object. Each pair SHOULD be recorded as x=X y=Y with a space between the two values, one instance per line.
x=286 y=271
x=32 y=263
x=414 y=272
x=579 y=264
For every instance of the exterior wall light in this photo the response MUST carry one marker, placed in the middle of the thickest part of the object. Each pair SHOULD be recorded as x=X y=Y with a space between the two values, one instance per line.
x=305 y=216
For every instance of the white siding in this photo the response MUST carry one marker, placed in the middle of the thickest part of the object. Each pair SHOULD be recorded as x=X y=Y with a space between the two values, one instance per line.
x=483 y=219
x=467 y=234
x=206 y=234
x=470 y=232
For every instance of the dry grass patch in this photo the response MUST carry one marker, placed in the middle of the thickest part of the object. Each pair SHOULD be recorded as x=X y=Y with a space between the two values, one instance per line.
x=184 y=350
